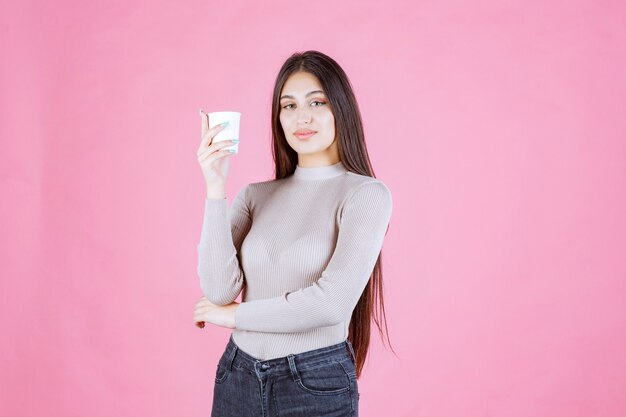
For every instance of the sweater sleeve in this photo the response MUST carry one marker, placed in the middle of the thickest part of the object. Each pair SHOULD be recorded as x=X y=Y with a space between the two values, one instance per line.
x=364 y=221
x=223 y=232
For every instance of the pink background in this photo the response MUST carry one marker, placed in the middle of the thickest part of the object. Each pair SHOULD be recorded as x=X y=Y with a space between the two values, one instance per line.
x=498 y=125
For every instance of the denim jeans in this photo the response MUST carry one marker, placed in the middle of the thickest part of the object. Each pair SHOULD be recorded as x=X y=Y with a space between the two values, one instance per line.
x=316 y=383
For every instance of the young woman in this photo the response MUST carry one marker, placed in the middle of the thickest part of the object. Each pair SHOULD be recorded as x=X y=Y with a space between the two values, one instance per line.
x=301 y=247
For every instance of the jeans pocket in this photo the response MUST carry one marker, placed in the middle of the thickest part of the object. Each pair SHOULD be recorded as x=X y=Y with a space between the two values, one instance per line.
x=329 y=378
x=222 y=371
x=350 y=367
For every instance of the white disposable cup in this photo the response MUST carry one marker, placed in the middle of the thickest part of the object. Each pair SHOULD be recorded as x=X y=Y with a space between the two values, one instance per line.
x=232 y=128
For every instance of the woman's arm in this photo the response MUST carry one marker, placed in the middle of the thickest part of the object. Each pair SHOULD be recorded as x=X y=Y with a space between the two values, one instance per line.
x=330 y=300
x=223 y=231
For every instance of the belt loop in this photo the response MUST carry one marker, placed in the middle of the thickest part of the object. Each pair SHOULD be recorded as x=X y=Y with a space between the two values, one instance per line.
x=351 y=350
x=292 y=367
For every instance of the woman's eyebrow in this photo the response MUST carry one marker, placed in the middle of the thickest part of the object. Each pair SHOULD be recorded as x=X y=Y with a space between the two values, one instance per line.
x=307 y=94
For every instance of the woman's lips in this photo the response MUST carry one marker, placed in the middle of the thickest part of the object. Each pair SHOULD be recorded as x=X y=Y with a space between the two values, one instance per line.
x=305 y=135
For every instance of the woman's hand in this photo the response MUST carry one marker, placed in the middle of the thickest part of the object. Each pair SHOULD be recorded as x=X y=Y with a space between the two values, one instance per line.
x=223 y=316
x=211 y=156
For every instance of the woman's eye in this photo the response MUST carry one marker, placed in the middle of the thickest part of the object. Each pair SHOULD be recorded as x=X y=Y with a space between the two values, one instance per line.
x=286 y=106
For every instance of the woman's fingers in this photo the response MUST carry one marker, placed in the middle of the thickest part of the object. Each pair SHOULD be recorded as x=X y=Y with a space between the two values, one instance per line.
x=207 y=138
x=205 y=121
x=208 y=134
x=208 y=156
x=202 y=307
x=198 y=313
x=215 y=149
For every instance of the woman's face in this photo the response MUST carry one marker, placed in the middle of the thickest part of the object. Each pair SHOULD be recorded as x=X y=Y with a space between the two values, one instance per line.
x=304 y=107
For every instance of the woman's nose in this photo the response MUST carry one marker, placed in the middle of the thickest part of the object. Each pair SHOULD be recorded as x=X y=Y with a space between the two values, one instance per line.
x=304 y=116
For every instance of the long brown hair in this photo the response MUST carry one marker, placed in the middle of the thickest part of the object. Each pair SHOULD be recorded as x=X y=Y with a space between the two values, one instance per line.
x=352 y=153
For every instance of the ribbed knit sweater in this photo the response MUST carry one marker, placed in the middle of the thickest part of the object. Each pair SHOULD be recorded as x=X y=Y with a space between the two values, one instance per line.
x=301 y=248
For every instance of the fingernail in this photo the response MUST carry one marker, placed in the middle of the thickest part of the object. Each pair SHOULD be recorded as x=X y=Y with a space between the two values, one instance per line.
x=200 y=112
x=223 y=124
x=235 y=140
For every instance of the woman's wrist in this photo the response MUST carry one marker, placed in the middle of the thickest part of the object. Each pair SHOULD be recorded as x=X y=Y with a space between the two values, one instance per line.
x=233 y=323
x=216 y=190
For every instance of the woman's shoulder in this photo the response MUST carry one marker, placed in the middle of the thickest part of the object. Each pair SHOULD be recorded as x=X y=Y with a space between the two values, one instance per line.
x=358 y=181
x=257 y=190
x=365 y=190
x=264 y=186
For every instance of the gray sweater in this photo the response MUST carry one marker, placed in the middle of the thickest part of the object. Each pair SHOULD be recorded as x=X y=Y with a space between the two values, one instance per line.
x=301 y=248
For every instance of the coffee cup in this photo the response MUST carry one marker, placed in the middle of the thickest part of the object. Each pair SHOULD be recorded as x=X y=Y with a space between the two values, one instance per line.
x=231 y=131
